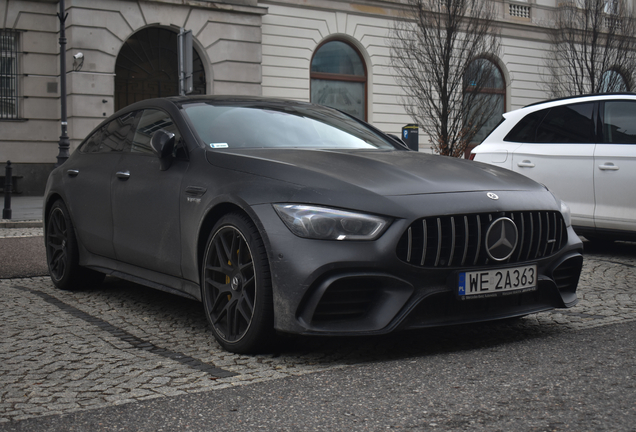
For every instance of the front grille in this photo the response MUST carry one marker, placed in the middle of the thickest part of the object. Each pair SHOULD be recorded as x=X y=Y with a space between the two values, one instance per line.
x=458 y=240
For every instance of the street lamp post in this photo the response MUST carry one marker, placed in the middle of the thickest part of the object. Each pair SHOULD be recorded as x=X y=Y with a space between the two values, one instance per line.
x=64 y=143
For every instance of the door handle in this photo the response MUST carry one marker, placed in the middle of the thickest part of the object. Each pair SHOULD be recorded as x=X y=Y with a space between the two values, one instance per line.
x=124 y=175
x=72 y=172
x=525 y=164
x=608 y=166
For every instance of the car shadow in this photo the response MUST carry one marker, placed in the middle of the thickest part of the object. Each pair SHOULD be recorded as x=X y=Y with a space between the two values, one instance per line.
x=422 y=342
x=146 y=311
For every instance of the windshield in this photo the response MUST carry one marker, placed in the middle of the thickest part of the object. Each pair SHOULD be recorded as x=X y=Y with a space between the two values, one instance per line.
x=285 y=126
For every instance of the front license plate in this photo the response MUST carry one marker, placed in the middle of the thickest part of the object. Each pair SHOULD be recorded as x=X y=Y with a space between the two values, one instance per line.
x=488 y=283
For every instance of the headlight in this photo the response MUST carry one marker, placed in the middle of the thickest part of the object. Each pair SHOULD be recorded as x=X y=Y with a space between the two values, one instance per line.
x=330 y=224
x=565 y=211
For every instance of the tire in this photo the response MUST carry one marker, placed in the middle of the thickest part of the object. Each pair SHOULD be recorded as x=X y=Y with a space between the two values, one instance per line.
x=62 y=254
x=236 y=286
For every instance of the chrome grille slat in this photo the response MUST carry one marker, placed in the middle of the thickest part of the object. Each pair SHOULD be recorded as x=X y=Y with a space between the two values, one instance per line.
x=439 y=241
x=456 y=241
x=539 y=236
x=554 y=222
x=424 y=242
x=478 y=239
x=466 y=235
x=523 y=231
x=531 y=238
x=559 y=237
x=546 y=237
x=452 y=251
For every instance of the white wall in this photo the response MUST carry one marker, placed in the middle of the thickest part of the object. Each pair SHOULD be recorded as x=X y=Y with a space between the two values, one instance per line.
x=291 y=35
x=292 y=32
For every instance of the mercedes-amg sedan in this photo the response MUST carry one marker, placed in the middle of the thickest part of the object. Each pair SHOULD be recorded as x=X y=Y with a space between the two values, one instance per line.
x=282 y=216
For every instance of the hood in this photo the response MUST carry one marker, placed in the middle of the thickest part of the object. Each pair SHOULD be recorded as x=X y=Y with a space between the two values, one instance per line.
x=385 y=173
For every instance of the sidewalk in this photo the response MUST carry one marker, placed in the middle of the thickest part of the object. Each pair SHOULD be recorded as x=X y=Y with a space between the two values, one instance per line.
x=26 y=212
x=22 y=252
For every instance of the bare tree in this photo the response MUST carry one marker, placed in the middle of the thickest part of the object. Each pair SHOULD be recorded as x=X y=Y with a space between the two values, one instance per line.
x=592 y=48
x=438 y=53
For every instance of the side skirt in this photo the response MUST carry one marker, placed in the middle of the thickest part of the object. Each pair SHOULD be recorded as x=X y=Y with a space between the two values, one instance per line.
x=142 y=276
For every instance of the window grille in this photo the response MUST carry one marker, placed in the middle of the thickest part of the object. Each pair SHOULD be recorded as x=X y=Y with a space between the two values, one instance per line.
x=613 y=22
x=519 y=11
x=8 y=74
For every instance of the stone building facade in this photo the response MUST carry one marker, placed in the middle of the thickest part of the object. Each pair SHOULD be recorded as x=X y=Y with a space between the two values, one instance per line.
x=245 y=47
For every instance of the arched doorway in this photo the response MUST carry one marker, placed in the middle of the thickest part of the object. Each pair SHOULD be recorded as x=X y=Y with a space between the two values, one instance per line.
x=147 y=67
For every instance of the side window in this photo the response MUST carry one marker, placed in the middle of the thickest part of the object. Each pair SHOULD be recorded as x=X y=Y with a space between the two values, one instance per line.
x=526 y=130
x=568 y=124
x=117 y=133
x=563 y=124
x=150 y=122
x=112 y=137
x=619 y=126
x=92 y=143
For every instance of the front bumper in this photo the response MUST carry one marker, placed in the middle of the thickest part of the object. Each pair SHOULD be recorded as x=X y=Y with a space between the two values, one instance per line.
x=355 y=288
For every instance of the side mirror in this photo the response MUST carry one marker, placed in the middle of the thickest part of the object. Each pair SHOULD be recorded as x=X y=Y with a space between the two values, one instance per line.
x=162 y=144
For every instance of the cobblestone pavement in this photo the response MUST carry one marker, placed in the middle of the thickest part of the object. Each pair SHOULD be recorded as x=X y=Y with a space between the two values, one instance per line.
x=117 y=343
x=21 y=232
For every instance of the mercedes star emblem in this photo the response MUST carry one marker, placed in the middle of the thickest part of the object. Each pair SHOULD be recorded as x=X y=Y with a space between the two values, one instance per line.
x=501 y=239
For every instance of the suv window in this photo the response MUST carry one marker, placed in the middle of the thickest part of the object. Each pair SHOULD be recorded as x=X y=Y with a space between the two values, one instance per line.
x=563 y=124
x=112 y=137
x=526 y=130
x=619 y=122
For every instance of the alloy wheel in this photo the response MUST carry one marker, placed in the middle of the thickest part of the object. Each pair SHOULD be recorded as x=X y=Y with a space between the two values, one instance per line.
x=56 y=243
x=231 y=285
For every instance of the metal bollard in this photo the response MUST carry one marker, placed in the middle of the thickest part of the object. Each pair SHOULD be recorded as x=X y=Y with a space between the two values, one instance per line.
x=8 y=187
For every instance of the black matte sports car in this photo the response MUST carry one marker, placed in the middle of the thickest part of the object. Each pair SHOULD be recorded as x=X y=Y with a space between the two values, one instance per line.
x=285 y=216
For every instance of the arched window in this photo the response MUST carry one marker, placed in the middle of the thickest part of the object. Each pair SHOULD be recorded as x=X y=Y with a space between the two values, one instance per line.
x=147 y=67
x=339 y=79
x=485 y=77
x=613 y=82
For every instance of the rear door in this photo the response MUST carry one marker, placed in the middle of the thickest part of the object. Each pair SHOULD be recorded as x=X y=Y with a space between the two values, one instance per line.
x=559 y=152
x=615 y=167
x=88 y=184
x=146 y=201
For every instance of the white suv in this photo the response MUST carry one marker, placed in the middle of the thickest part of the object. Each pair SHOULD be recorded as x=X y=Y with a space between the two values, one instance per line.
x=583 y=149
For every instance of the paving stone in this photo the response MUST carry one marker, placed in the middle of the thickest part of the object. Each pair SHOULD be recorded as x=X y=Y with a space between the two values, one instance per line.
x=66 y=351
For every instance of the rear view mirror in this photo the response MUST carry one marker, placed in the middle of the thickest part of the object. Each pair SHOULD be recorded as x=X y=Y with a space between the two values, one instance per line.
x=162 y=144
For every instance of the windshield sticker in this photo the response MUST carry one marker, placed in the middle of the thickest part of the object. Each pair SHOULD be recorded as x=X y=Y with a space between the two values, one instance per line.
x=219 y=145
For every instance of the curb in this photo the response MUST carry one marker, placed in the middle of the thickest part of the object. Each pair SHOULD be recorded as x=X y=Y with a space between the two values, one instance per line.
x=6 y=223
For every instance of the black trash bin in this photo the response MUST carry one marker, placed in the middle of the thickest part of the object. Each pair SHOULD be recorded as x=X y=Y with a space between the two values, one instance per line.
x=410 y=136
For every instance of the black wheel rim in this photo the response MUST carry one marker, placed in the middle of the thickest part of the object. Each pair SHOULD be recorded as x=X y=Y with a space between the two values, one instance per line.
x=56 y=241
x=230 y=284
